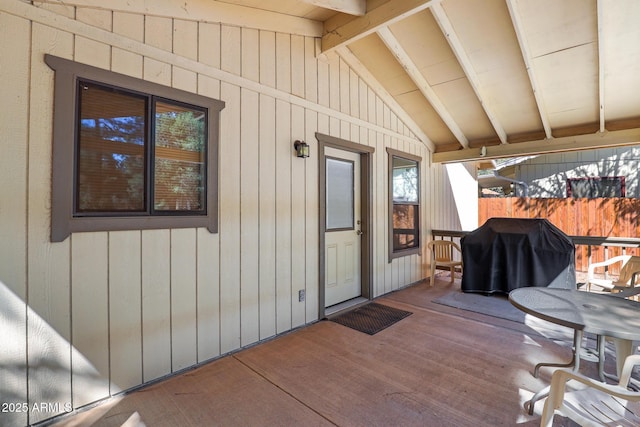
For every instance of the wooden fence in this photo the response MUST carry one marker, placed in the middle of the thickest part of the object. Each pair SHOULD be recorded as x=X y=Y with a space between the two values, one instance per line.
x=606 y=217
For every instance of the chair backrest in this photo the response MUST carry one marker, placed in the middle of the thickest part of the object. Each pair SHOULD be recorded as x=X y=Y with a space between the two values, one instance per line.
x=442 y=250
x=629 y=270
x=597 y=404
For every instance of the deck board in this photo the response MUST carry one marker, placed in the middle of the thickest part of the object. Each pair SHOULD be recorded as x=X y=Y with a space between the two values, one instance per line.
x=440 y=366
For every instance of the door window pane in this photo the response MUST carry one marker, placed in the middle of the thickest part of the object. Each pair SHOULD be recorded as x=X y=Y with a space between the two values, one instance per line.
x=339 y=194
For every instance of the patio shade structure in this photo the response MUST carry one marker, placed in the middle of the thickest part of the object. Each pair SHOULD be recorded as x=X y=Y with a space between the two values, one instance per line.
x=491 y=79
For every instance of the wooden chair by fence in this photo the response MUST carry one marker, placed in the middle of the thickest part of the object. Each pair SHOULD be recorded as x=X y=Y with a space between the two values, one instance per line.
x=443 y=255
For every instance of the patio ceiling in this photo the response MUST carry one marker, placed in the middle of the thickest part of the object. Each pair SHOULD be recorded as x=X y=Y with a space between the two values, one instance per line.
x=517 y=77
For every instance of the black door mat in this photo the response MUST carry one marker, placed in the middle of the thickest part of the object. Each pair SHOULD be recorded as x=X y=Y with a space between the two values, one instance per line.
x=371 y=318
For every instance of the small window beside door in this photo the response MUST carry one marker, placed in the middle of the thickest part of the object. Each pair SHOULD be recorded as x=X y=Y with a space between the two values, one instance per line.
x=404 y=204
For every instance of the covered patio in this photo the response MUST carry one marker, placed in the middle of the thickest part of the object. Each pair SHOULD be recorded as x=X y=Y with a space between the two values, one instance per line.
x=439 y=366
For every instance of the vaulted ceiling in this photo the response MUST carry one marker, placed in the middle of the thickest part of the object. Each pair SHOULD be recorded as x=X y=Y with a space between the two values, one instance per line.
x=492 y=78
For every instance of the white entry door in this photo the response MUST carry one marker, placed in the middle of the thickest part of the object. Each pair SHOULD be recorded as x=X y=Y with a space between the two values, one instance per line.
x=342 y=228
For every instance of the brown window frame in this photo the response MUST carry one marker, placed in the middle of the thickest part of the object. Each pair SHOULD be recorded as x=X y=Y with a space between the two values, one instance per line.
x=620 y=179
x=397 y=253
x=64 y=220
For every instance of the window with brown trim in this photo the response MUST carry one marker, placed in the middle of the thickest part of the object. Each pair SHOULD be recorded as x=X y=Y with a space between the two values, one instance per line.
x=404 y=204
x=596 y=187
x=130 y=154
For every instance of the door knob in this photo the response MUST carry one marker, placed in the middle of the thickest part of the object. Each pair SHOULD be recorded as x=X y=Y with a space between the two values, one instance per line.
x=359 y=232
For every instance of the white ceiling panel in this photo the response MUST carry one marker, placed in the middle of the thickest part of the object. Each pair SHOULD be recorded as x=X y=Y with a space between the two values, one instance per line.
x=620 y=53
x=496 y=58
x=418 y=107
x=569 y=84
x=372 y=51
x=552 y=25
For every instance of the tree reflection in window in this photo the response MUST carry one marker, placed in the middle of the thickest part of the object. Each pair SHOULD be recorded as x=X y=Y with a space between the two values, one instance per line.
x=179 y=158
x=405 y=204
x=121 y=169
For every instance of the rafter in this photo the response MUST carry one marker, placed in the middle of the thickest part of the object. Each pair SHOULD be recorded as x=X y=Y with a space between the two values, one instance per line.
x=601 y=64
x=352 y=7
x=526 y=56
x=456 y=45
x=339 y=33
x=544 y=146
x=410 y=67
x=353 y=62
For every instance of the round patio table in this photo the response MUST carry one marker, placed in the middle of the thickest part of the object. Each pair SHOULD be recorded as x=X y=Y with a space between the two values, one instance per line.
x=599 y=314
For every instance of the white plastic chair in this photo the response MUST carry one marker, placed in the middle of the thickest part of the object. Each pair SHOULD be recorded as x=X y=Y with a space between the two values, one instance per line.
x=442 y=255
x=594 y=403
x=628 y=271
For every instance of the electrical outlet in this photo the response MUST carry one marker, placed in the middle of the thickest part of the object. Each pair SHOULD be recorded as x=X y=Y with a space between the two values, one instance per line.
x=301 y=295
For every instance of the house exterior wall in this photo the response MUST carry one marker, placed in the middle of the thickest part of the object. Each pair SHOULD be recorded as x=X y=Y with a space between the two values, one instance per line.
x=103 y=312
x=547 y=175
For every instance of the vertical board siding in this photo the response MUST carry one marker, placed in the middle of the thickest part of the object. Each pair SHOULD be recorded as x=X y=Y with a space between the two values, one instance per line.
x=311 y=70
x=209 y=44
x=185 y=38
x=48 y=279
x=309 y=313
x=298 y=74
x=295 y=315
x=156 y=304
x=13 y=216
x=283 y=62
x=229 y=190
x=125 y=310
x=183 y=298
x=278 y=114
x=251 y=237
x=208 y=245
x=264 y=181
x=208 y=295
x=250 y=54
x=90 y=315
x=111 y=311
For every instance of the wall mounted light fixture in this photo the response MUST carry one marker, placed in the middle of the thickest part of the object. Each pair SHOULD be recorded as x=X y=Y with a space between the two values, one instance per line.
x=302 y=149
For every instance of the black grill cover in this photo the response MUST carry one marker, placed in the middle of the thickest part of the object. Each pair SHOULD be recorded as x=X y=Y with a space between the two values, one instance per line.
x=509 y=253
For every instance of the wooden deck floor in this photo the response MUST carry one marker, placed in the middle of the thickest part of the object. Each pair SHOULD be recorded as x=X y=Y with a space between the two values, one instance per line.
x=438 y=367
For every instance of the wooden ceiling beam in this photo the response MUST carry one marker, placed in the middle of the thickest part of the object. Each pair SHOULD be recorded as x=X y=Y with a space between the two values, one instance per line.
x=410 y=67
x=345 y=32
x=526 y=55
x=545 y=146
x=207 y=11
x=351 y=7
x=458 y=50
x=601 y=64
x=357 y=66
